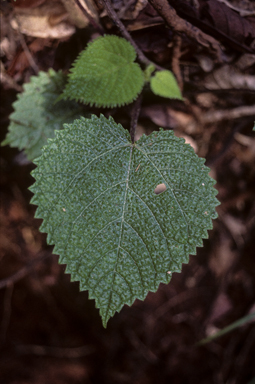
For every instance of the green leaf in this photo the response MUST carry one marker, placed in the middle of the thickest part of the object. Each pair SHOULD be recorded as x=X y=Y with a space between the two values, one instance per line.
x=95 y=192
x=164 y=84
x=36 y=116
x=105 y=74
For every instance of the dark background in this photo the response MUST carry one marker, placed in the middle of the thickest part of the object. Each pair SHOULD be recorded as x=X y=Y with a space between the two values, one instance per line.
x=49 y=331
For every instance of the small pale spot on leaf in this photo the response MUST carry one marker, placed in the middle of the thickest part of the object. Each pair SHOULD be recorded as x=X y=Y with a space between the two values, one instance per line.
x=160 y=188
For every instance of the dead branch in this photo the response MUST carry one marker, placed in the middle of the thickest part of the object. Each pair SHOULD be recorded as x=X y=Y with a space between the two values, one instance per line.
x=177 y=42
x=242 y=12
x=26 y=49
x=179 y=25
x=228 y=114
x=8 y=80
x=88 y=16
x=114 y=17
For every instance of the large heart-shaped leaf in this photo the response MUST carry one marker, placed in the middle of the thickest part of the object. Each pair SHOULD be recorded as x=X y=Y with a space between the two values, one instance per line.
x=105 y=74
x=95 y=191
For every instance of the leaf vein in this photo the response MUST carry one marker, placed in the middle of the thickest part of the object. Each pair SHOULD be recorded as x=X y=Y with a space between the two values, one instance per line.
x=156 y=221
x=97 y=197
x=121 y=228
x=143 y=243
x=179 y=207
x=82 y=170
x=140 y=274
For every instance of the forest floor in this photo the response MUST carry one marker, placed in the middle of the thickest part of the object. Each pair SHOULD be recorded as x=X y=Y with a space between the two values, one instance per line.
x=52 y=333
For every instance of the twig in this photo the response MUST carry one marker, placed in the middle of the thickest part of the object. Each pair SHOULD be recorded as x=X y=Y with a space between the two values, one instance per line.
x=179 y=25
x=134 y=116
x=228 y=142
x=26 y=50
x=22 y=272
x=177 y=42
x=89 y=17
x=242 y=12
x=228 y=114
x=236 y=324
x=114 y=17
x=5 y=78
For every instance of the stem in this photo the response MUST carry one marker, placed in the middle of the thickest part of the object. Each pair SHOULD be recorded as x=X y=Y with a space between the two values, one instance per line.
x=177 y=24
x=177 y=42
x=114 y=17
x=89 y=17
x=134 y=116
x=26 y=49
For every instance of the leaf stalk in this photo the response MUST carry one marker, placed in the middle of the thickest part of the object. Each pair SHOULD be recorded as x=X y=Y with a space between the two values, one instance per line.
x=134 y=116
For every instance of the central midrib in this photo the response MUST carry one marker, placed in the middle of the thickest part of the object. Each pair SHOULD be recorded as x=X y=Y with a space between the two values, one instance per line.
x=121 y=230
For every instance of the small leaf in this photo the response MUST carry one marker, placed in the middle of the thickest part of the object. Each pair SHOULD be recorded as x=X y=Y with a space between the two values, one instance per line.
x=36 y=115
x=105 y=74
x=95 y=192
x=164 y=84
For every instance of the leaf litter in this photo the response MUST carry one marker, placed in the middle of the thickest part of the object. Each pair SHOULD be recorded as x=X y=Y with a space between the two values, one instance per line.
x=174 y=318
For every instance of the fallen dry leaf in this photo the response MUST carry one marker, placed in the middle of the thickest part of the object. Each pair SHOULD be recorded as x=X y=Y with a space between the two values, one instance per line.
x=220 y=21
x=36 y=22
x=228 y=77
x=27 y=3
x=75 y=14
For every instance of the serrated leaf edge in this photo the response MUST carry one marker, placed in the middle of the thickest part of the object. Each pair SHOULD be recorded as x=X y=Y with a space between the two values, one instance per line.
x=144 y=295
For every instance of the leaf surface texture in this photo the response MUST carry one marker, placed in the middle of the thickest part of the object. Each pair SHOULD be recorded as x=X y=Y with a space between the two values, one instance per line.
x=164 y=84
x=36 y=116
x=105 y=74
x=95 y=193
